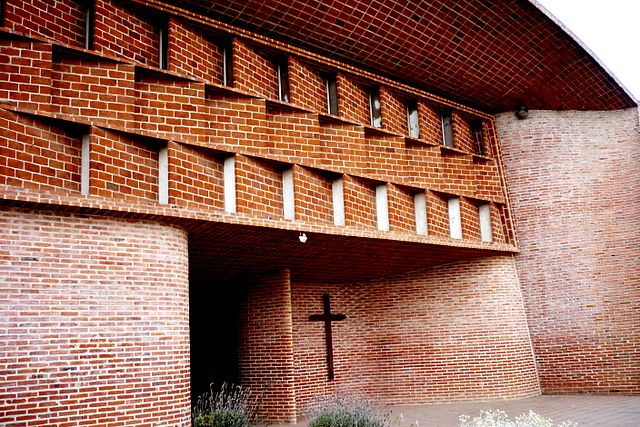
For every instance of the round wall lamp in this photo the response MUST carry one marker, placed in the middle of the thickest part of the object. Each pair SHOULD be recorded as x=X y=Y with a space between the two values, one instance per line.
x=522 y=112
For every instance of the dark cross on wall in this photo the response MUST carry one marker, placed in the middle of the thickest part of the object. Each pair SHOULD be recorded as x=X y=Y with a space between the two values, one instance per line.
x=327 y=317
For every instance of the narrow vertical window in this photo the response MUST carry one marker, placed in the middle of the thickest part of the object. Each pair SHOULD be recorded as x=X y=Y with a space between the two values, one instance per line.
x=229 y=183
x=337 y=191
x=283 y=81
x=332 y=95
x=163 y=175
x=484 y=214
x=478 y=136
x=375 y=109
x=382 y=208
x=85 y=165
x=455 y=222
x=163 y=45
x=447 y=129
x=420 y=208
x=87 y=16
x=412 y=119
x=227 y=64
x=288 y=197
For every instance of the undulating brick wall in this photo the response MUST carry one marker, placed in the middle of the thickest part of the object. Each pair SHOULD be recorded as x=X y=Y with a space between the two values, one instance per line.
x=123 y=167
x=132 y=34
x=195 y=177
x=61 y=20
x=25 y=76
x=266 y=355
x=40 y=154
x=574 y=183
x=100 y=90
x=449 y=333
x=194 y=52
x=401 y=208
x=314 y=196
x=254 y=71
x=353 y=100
x=259 y=188
x=94 y=321
x=394 y=112
x=308 y=87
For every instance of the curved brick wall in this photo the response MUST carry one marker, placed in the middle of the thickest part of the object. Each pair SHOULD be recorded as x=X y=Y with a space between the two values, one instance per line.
x=450 y=333
x=94 y=321
x=574 y=179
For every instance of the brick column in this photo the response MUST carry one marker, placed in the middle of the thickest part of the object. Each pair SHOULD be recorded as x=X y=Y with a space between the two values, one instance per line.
x=266 y=345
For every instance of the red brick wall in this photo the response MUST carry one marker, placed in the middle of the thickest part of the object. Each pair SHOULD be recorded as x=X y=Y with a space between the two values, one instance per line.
x=123 y=167
x=95 y=321
x=470 y=219
x=574 y=183
x=258 y=188
x=394 y=112
x=430 y=124
x=127 y=33
x=450 y=333
x=101 y=90
x=60 y=20
x=25 y=75
x=38 y=154
x=437 y=214
x=266 y=354
x=194 y=52
x=253 y=71
x=359 y=203
x=313 y=195
x=308 y=87
x=195 y=177
x=462 y=136
x=171 y=108
x=353 y=100
x=401 y=209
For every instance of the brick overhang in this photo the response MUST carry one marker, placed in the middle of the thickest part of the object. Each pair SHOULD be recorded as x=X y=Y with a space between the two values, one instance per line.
x=491 y=54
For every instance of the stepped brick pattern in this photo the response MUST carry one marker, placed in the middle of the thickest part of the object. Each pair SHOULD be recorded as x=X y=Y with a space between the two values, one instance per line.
x=579 y=265
x=115 y=187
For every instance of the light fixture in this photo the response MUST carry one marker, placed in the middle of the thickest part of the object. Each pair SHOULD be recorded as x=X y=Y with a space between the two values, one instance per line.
x=302 y=238
x=522 y=112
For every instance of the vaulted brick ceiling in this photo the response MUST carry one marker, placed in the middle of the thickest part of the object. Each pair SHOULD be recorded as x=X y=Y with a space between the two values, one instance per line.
x=492 y=54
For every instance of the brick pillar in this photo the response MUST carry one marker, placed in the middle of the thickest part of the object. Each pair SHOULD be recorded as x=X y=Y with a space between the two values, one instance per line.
x=266 y=345
x=94 y=321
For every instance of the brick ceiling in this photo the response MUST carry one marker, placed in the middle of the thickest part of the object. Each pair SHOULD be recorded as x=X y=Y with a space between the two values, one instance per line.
x=228 y=251
x=491 y=54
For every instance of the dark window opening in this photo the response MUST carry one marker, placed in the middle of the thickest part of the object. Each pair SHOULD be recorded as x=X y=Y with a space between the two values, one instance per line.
x=332 y=95
x=478 y=136
x=283 y=81
x=88 y=10
x=375 y=108
x=413 y=125
x=447 y=129
x=163 y=45
x=227 y=64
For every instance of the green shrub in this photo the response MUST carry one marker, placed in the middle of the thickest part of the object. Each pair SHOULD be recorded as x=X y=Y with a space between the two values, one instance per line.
x=230 y=406
x=344 y=411
x=499 y=418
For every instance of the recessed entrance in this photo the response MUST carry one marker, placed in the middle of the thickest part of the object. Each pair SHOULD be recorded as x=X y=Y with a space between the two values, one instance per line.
x=214 y=318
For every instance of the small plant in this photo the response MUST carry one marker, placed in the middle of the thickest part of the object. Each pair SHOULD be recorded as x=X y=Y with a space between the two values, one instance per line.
x=499 y=418
x=230 y=406
x=347 y=411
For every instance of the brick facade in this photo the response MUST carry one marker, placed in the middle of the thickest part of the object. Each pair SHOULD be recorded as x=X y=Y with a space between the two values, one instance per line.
x=579 y=244
x=94 y=323
x=451 y=333
x=119 y=167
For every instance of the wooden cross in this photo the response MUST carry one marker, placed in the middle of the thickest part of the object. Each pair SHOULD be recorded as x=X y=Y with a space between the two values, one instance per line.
x=327 y=317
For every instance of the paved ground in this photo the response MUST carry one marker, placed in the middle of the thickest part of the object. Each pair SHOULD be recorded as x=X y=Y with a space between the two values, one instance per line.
x=586 y=410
